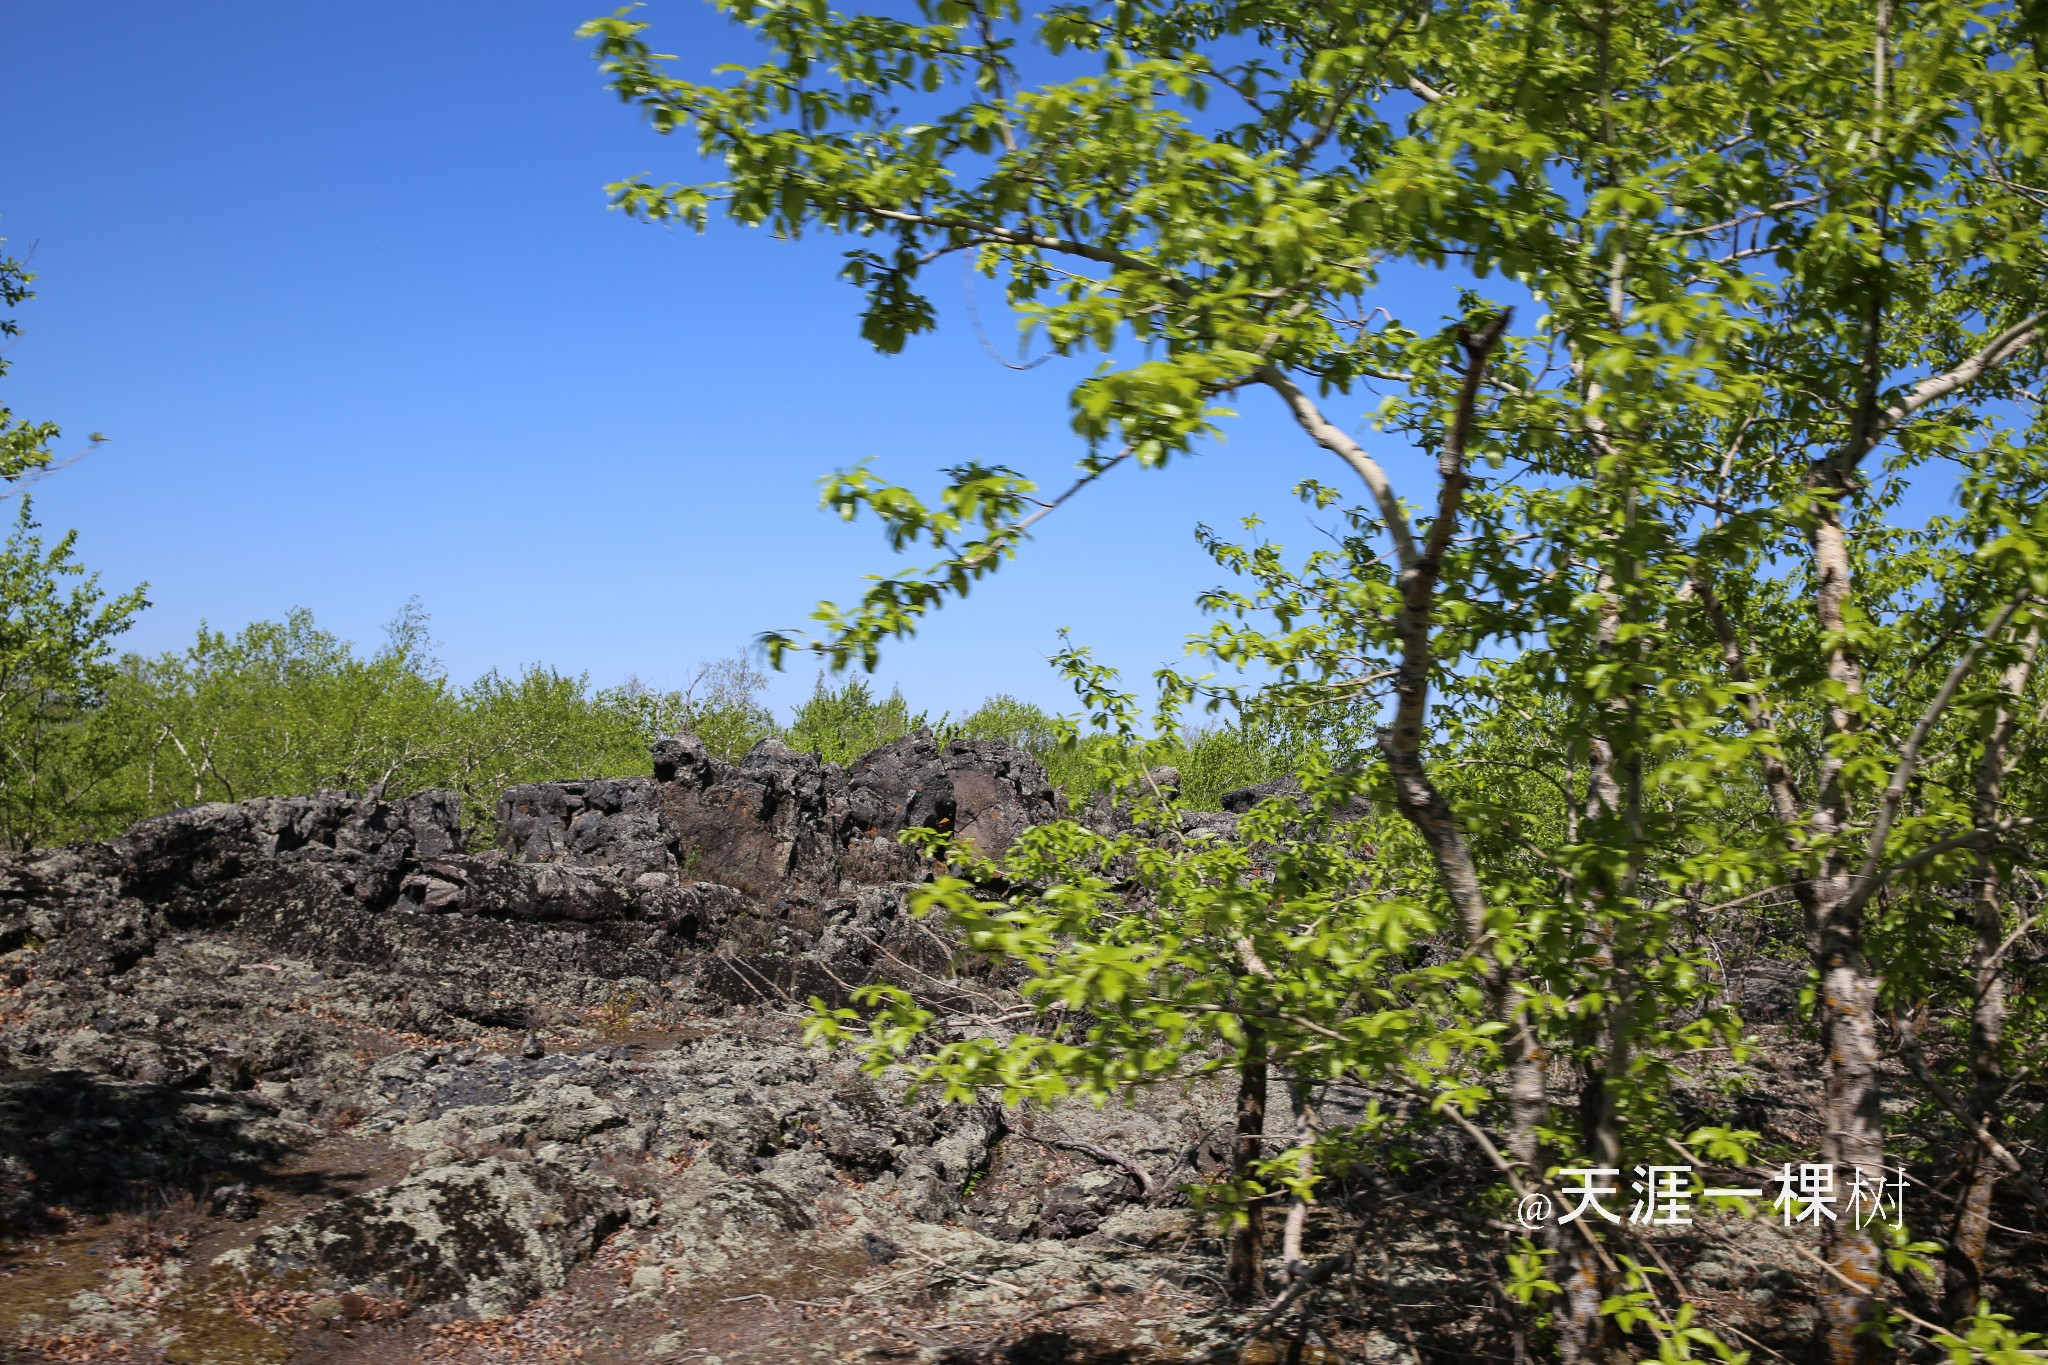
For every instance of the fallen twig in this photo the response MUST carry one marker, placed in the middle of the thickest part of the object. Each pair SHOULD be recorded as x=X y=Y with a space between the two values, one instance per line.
x=969 y=1276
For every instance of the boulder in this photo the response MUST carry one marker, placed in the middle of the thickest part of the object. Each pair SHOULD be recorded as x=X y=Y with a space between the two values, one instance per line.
x=477 y=1238
x=771 y=821
x=983 y=791
x=1243 y=799
x=175 y=858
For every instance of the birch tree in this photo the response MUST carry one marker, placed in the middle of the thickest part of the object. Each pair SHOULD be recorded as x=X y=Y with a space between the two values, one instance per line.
x=1723 y=296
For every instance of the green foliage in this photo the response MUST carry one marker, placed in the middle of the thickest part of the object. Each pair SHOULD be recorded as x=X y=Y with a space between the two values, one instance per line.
x=1652 y=641
x=1527 y=1279
x=840 y=724
x=1021 y=723
x=1676 y=1332
x=1987 y=1336
x=1214 y=759
x=1151 y=964
x=56 y=665
x=24 y=446
x=282 y=708
x=285 y=707
x=56 y=651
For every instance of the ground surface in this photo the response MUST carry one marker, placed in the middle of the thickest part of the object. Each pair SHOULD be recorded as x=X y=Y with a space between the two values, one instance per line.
x=313 y=1081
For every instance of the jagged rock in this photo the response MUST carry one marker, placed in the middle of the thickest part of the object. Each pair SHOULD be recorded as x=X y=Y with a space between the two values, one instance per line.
x=555 y=1110
x=533 y=892
x=168 y=857
x=1078 y=1206
x=1243 y=799
x=227 y=987
x=985 y=792
x=479 y=1237
x=614 y=824
x=772 y=822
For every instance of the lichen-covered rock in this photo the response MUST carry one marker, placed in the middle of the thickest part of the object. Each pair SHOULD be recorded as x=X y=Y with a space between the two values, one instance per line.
x=241 y=1011
x=475 y=1237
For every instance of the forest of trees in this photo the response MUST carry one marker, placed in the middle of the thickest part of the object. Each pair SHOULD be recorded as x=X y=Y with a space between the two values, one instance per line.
x=279 y=708
x=95 y=740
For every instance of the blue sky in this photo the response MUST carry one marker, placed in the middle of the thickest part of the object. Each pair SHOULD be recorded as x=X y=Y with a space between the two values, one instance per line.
x=340 y=285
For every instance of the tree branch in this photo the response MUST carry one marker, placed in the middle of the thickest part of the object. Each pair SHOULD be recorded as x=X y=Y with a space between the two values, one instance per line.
x=1333 y=438
x=1996 y=352
x=1909 y=756
x=1065 y=246
x=1979 y=1128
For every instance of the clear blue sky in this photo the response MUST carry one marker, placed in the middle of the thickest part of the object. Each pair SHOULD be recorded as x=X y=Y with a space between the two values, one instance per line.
x=340 y=285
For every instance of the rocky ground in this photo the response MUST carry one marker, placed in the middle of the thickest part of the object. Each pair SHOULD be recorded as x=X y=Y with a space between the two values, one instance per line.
x=310 y=1079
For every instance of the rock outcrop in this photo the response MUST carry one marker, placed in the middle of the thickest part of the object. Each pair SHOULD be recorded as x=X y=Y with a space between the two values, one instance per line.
x=541 y=1052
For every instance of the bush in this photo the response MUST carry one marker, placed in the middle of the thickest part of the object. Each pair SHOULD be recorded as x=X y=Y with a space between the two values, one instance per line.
x=840 y=724
x=282 y=708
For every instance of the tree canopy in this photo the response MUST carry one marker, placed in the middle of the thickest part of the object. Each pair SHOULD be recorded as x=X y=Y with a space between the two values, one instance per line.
x=1719 y=579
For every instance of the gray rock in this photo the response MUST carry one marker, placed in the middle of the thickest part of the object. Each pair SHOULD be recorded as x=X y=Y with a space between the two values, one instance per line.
x=481 y=1236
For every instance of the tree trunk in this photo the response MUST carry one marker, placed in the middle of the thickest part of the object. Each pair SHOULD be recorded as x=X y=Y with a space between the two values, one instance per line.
x=1853 y=1140
x=1852 y=1123
x=1292 y=1261
x=1245 y=1269
x=1972 y=1226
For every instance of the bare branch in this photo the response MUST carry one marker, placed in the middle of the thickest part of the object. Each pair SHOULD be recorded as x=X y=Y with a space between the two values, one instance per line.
x=1333 y=438
x=1980 y=1127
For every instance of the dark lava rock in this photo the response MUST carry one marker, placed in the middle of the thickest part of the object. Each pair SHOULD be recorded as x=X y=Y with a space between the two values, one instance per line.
x=201 y=1003
x=983 y=791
